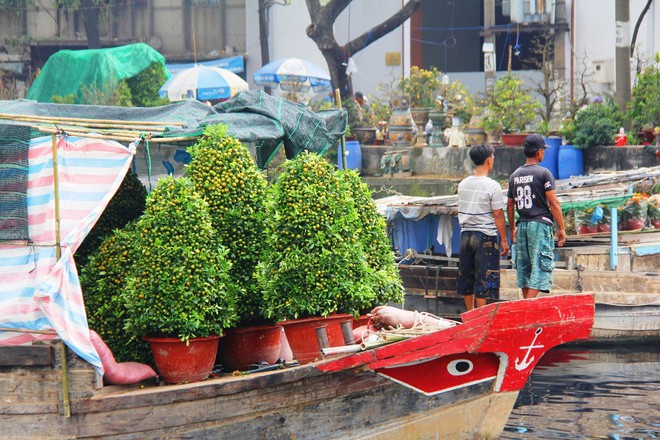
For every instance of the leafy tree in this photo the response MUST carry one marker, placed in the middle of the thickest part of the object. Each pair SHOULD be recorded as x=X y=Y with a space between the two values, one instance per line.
x=324 y=14
x=145 y=85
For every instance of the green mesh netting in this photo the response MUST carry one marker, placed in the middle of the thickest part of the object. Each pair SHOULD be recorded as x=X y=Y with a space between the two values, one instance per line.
x=68 y=71
x=252 y=116
x=14 y=146
x=610 y=202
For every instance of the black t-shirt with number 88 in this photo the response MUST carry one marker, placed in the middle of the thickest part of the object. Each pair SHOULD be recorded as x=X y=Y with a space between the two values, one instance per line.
x=527 y=187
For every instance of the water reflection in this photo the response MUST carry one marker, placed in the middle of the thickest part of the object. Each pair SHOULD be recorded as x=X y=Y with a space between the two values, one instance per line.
x=595 y=393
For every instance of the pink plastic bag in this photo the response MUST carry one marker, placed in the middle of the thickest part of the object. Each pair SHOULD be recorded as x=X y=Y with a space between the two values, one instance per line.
x=123 y=373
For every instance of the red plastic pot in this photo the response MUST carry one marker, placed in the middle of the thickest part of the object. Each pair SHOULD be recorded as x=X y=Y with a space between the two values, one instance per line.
x=656 y=223
x=603 y=228
x=634 y=224
x=181 y=363
x=301 y=334
x=241 y=347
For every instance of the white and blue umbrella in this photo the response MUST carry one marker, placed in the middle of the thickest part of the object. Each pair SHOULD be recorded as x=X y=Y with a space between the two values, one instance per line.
x=293 y=74
x=203 y=83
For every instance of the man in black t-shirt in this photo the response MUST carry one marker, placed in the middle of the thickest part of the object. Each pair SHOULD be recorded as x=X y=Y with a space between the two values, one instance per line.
x=532 y=195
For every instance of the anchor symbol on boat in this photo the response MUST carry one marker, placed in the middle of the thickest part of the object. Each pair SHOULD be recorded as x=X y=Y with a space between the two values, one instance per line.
x=527 y=361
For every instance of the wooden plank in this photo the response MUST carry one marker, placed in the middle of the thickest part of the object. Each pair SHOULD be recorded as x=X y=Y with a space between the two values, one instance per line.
x=26 y=355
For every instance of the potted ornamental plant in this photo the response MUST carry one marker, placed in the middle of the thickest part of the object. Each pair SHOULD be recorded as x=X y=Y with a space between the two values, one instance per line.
x=632 y=214
x=422 y=87
x=510 y=109
x=645 y=104
x=372 y=236
x=226 y=176
x=103 y=281
x=315 y=265
x=179 y=296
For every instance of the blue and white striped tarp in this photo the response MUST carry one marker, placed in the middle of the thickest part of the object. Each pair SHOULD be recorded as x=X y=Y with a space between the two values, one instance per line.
x=38 y=291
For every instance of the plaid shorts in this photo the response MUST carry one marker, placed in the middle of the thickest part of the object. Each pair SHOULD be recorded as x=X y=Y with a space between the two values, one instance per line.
x=479 y=265
x=534 y=255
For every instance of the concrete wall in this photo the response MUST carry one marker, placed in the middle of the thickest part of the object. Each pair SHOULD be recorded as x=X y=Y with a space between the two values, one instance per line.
x=455 y=163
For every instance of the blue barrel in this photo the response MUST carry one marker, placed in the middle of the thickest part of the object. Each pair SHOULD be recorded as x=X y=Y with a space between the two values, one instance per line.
x=353 y=156
x=551 y=158
x=570 y=162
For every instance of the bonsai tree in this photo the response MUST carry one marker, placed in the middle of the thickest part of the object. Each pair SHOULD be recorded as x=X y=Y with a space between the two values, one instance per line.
x=315 y=263
x=597 y=124
x=226 y=176
x=180 y=285
x=103 y=281
x=372 y=236
x=511 y=107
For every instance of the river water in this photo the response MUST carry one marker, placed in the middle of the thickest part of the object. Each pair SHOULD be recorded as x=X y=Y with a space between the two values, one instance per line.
x=590 y=393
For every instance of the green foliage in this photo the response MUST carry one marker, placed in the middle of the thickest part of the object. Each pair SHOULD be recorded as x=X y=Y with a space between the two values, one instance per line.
x=645 y=104
x=68 y=99
x=373 y=238
x=226 y=176
x=145 y=85
x=597 y=124
x=422 y=85
x=103 y=281
x=180 y=285
x=567 y=130
x=353 y=112
x=315 y=263
x=511 y=107
x=126 y=205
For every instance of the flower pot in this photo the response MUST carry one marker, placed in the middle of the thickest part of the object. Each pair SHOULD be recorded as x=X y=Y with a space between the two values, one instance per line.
x=603 y=228
x=475 y=131
x=633 y=224
x=301 y=334
x=656 y=223
x=179 y=362
x=420 y=115
x=241 y=347
x=513 y=139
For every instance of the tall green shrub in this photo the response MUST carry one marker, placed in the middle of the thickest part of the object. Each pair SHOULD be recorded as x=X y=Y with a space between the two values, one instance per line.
x=180 y=286
x=226 y=176
x=315 y=263
x=372 y=235
x=103 y=281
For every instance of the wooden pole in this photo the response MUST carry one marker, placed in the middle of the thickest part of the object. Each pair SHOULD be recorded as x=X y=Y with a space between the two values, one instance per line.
x=91 y=121
x=343 y=137
x=56 y=192
x=66 y=404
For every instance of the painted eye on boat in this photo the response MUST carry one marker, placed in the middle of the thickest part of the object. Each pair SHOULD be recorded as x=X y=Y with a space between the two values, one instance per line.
x=459 y=367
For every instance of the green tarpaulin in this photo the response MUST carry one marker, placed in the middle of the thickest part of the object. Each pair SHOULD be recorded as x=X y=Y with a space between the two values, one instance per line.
x=67 y=71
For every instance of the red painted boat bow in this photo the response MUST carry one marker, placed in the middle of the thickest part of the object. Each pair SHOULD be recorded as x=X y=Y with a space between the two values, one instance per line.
x=518 y=332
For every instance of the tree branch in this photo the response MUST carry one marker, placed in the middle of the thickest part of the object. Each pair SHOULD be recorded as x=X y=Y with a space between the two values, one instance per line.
x=362 y=41
x=639 y=22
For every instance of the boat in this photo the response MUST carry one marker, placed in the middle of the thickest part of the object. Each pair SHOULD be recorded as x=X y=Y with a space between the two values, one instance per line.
x=457 y=382
x=620 y=268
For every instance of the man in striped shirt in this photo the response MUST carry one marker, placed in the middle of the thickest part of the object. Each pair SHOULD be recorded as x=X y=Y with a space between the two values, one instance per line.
x=481 y=216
